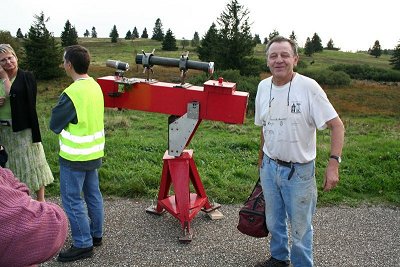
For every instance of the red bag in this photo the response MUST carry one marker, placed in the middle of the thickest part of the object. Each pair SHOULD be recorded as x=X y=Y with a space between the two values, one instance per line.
x=252 y=214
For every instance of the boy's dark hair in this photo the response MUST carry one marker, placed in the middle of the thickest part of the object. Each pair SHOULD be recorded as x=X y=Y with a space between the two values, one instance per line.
x=79 y=57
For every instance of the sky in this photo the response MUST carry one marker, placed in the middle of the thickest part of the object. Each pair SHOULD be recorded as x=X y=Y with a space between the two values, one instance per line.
x=352 y=25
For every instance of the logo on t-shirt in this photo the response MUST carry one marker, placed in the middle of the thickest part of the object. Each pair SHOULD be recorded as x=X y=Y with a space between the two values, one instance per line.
x=295 y=107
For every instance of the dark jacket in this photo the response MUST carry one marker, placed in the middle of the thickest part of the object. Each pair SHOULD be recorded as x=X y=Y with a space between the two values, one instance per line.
x=23 y=104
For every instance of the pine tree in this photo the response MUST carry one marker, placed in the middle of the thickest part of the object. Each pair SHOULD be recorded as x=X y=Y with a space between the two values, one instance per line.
x=376 y=50
x=69 y=36
x=86 y=34
x=19 y=33
x=316 y=43
x=158 y=33
x=395 y=58
x=273 y=34
x=196 y=39
x=208 y=45
x=169 y=42
x=94 y=32
x=235 y=39
x=114 y=34
x=293 y=37
x=144 y=34
x=184 y=43
x=128 y=35
x=135 y=33
x=43 y=54
x=308 y=47
x=330 y=45
x=257 y=39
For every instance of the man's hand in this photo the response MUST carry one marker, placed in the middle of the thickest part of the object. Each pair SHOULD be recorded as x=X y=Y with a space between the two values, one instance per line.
x=331 y=175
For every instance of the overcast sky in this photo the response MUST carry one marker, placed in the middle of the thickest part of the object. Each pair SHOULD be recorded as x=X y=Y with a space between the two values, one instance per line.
x=353 y=25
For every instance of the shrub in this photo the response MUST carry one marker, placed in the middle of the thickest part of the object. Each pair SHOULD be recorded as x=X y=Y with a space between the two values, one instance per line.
x=329 y=77
x=366 y=72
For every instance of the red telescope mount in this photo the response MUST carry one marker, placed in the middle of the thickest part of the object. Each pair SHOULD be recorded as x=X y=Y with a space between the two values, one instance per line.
x=187 y=106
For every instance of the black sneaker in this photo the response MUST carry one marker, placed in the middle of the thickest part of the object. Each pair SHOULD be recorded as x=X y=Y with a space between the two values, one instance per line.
x=272 y=262
x=97 y=241
x=74 y=253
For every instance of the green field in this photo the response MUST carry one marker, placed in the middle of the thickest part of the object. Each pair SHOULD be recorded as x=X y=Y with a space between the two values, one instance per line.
x=226 y=155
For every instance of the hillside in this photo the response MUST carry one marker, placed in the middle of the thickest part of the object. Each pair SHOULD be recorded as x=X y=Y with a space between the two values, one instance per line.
x=226 y=155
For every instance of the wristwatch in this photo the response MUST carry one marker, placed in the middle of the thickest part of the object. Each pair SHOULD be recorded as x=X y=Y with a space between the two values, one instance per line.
x=339 y=159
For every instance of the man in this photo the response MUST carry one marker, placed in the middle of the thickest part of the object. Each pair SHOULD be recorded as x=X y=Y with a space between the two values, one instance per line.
x=290 y=107
x=78 y=118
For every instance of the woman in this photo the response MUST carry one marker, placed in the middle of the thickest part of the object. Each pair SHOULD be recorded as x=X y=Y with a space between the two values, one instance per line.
x=31 y=232
x=19 y=126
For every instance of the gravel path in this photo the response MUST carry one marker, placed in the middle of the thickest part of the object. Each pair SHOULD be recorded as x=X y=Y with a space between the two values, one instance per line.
x=344 y=236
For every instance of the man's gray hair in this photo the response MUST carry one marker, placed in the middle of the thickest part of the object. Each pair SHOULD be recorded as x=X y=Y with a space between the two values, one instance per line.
x=279 y=39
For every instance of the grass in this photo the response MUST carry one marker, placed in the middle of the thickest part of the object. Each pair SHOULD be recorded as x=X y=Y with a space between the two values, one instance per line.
x=226 y=155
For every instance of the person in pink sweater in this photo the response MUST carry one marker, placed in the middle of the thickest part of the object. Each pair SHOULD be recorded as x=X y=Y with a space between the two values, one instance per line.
x=31 y=232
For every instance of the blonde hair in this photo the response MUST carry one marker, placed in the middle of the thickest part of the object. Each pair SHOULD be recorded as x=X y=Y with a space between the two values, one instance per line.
x=6 y=48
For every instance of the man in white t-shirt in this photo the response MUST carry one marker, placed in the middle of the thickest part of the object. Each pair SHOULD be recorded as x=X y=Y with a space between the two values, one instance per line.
x=290 y=107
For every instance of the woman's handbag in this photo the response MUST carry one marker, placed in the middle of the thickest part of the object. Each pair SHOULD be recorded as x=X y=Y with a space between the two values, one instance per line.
x=252 y=214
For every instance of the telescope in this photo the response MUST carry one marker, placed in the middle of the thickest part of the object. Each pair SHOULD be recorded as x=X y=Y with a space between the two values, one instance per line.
x=116 y=64
x=148 y=60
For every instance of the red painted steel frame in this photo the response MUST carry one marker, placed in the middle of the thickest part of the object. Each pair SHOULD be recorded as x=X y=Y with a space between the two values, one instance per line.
x=219 y=101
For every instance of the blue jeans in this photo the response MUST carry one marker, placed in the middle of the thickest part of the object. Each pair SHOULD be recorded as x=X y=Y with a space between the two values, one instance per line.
x=86 y=222
x=294 y=199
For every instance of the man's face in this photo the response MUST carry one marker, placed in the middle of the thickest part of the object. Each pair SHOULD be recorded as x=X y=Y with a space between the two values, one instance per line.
x=281 y=60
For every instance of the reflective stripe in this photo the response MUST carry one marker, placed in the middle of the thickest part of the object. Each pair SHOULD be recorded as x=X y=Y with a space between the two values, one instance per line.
x=82 y=139
x=81 y=151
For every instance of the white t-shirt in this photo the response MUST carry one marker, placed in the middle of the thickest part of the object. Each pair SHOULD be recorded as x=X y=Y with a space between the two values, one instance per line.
x=290 y=118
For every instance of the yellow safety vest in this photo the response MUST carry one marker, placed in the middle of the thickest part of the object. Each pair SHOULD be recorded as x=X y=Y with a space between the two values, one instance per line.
x=85 y=140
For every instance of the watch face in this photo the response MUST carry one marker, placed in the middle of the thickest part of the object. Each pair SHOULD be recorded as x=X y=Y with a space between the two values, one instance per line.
x=339 y=159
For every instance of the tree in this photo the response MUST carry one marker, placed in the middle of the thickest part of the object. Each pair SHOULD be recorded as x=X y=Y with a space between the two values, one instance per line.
x=293 y=37
x=330 y=45
x=86 y=34
x=376 y=50
x=273 y=34
x=308 y=47
x=144 y=34
x=316 y=43
x=128 y=35
x=43 y=54
x=69 y=36
x=94 y=33
x=234 y=37
x=208 y=45
x=158 y=33
x=265 y=40
x=19 y=33
x=135 y=33
x=169 y=42
x=184 y=43
x=395 y=58
x=257 y=39
x=196 y=39
x=114 y=34
x=6 y=38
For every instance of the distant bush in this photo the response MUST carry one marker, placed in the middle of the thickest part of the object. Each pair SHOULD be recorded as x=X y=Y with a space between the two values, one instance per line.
x=366 y=72
x=328 y=77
